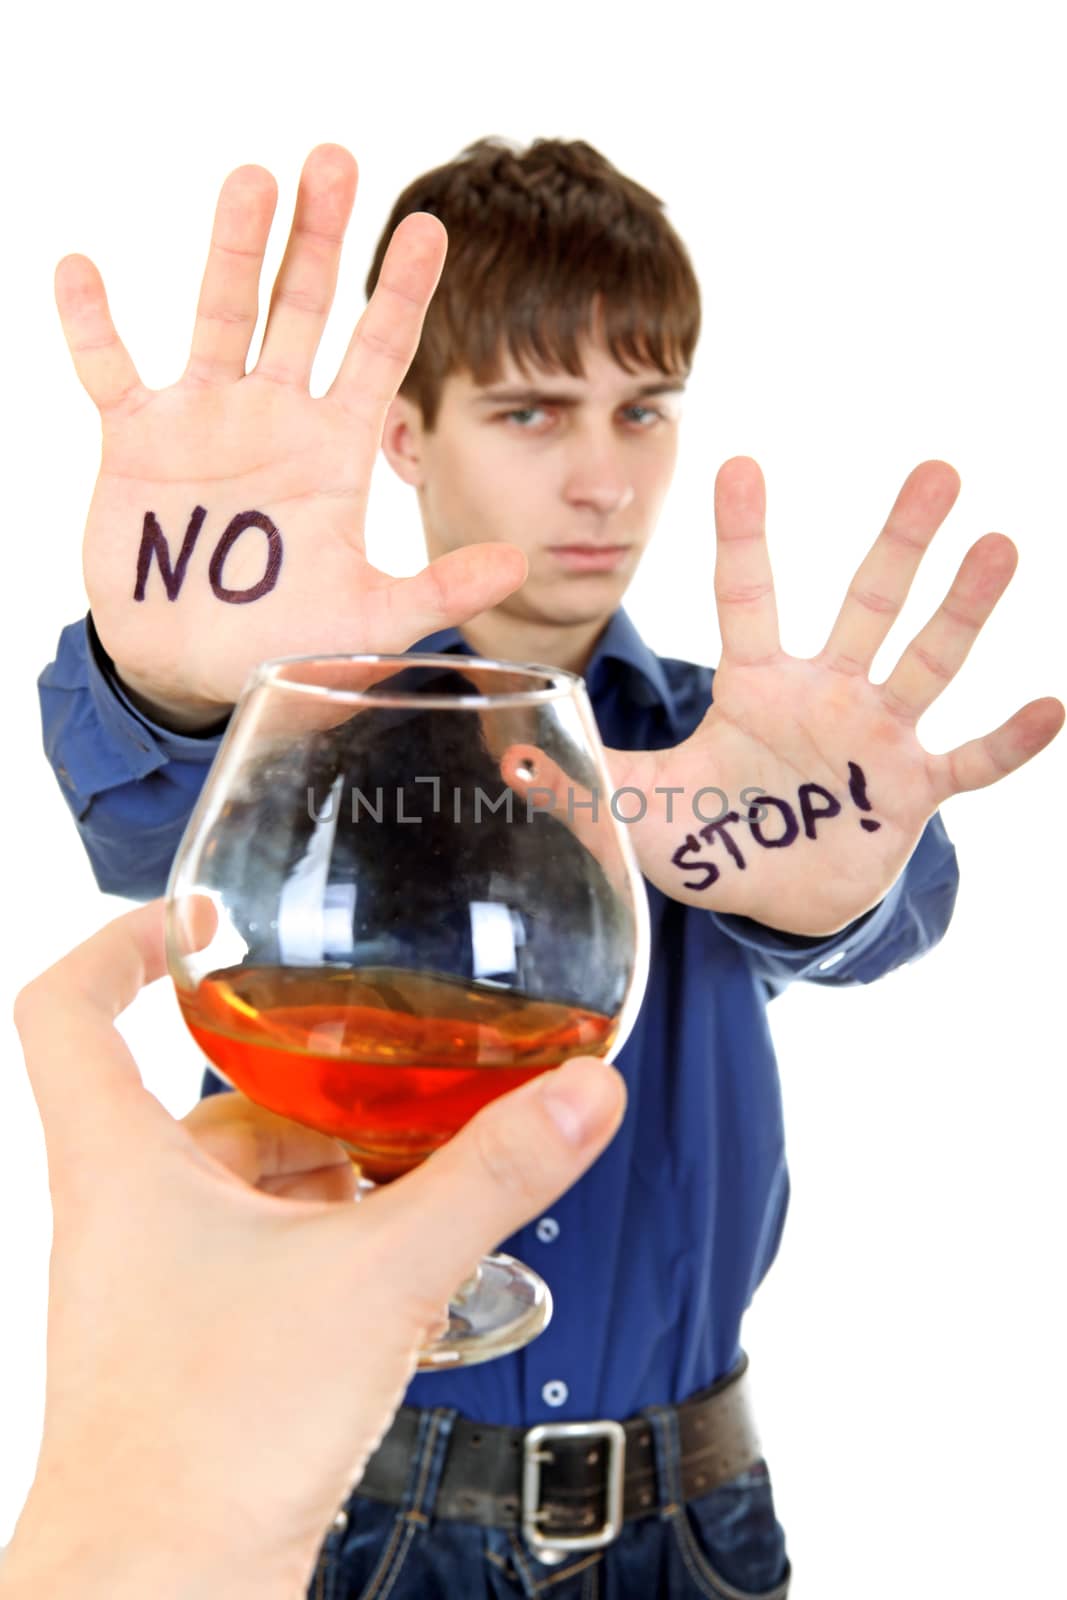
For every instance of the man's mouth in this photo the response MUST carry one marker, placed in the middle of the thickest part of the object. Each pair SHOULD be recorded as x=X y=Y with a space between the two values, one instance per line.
x=589 y=557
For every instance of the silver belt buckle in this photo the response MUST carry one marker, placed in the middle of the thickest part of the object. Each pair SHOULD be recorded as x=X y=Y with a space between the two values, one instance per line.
x=552 y=1548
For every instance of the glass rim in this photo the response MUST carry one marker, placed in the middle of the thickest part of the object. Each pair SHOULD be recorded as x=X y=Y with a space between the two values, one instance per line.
x=558 y=683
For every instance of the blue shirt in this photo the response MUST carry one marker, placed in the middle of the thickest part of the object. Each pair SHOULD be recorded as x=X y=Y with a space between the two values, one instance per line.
x=655 y=1254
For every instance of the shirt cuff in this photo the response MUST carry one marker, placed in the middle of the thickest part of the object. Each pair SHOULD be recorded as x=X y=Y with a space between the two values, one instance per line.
x=821 y=952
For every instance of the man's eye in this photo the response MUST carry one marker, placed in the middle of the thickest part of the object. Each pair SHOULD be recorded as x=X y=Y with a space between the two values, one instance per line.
x=525 y=416
x=644 y=416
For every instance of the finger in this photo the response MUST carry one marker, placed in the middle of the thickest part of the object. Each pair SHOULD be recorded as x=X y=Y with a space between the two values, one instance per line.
x=387 y=334
x=262 y=1148
x=77 y=1062
x=506 y=1165
x=101 y=360
x=449 y=591
x=883 y=579
x=307 y=278
x=937 y=653
x=986 y=760
x=329 y=1185
x=744 y=585
x=229 y=293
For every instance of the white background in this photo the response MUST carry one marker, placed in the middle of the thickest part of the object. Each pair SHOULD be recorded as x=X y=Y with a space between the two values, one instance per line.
x=873 y=199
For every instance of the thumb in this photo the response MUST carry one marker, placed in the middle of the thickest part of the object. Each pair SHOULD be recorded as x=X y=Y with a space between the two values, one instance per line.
x=510 y=1161
x=452 y=589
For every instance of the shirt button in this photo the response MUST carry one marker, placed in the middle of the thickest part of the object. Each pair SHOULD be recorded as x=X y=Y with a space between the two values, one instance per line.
x=340 y=1521
x=547 y=1230
x=555 y=1393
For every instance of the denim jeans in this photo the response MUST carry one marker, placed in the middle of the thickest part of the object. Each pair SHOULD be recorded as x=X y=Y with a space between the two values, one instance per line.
x=727 y=1545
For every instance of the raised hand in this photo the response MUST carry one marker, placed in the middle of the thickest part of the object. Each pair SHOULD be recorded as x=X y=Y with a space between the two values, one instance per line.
x=816 y=788
x=227 y=522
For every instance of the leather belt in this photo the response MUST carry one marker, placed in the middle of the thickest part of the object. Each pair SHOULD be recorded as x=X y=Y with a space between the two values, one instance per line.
x=570 y=1486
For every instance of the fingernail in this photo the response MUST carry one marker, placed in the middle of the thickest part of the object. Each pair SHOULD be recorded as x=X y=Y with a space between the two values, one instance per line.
x=576 y=1097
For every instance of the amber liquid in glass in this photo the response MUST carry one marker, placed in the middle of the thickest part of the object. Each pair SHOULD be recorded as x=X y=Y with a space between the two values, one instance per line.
x=389 y=1061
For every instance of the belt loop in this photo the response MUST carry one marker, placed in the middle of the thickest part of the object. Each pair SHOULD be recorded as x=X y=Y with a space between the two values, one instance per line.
x=427 y=1463
x=667 y=1451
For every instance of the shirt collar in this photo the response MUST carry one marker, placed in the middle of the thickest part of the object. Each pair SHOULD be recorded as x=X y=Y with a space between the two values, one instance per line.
x=443 y=643
x=619 y=642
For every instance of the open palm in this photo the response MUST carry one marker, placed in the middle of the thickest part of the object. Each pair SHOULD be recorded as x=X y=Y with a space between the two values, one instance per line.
x=262 y=488
x=827 y=787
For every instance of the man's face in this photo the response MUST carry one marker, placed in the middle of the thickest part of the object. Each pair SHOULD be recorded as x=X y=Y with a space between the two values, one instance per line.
x=573 y=470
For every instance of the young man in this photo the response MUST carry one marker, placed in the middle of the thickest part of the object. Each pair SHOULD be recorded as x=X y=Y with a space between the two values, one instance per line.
x=787 y=828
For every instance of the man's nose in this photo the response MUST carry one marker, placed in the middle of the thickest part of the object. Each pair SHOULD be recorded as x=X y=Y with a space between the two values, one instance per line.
x=597 y=477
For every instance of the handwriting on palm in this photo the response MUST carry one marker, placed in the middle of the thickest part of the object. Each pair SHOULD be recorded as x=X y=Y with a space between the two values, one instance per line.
x=815 y=734
x=230 y=443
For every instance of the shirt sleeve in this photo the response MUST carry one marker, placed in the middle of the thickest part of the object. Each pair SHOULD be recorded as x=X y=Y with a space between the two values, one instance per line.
x=130 y=784
x=909 y=921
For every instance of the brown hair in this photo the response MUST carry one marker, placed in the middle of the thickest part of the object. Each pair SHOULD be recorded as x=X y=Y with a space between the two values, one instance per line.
x=545 y=245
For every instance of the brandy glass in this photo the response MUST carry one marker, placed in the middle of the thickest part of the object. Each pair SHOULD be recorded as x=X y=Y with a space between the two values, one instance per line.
x=404 y=891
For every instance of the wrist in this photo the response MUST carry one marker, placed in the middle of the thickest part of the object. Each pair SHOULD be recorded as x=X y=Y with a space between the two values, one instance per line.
x=117 y=1558
x=176 y=715
x=122 y=1539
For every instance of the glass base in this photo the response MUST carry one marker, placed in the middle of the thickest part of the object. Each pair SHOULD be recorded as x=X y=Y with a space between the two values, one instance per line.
x=500 y=1308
